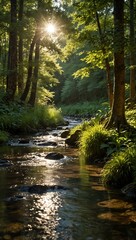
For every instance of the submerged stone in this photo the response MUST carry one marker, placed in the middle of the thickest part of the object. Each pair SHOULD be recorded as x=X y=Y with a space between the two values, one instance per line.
x=54 y=156
x=130 y=190
x=4 y=163
x=24 y=141
x=41 y=189
x=49 y=143
x=15 y=198
x=73 y=139
x=65 y=133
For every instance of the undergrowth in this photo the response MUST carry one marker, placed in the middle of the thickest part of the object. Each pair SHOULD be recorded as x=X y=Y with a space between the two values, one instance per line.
x=86 y=109
x=121 y=169
x=26 y=119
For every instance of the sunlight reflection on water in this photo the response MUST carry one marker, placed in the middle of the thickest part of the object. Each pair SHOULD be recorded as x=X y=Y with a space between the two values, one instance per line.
x=44 y=216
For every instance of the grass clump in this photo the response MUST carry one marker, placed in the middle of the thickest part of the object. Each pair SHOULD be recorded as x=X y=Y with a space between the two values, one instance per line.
x=91 y=141
x=120 y=170
x=4 y=136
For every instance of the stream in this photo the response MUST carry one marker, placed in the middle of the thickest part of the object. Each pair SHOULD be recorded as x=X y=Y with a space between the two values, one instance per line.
x=73 y=206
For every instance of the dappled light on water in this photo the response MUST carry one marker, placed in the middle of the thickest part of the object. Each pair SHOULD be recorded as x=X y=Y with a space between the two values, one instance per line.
x=44 y=216
x=58 y=199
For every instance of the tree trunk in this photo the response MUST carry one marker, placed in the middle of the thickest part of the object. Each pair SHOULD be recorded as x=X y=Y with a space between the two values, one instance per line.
x=20 y=49
x=30 y=68
x=117 y=118
x=12 y=54
x=132 y=55
x=107 y=65
x=35 y=76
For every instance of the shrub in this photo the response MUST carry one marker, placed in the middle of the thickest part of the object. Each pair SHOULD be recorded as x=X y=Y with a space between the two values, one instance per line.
x=120 y=170
x=91 y=140
x=131 y=116
x=25 y=119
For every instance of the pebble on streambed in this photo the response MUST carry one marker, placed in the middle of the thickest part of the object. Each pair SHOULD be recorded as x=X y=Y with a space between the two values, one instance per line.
x=4 y=163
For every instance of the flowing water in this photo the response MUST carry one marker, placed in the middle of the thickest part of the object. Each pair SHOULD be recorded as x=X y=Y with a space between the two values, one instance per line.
x=81 y=210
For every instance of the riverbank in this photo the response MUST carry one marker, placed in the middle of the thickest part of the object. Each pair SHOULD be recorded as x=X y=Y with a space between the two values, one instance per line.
x=17 y=119
x=115 y=150
x=38 y=209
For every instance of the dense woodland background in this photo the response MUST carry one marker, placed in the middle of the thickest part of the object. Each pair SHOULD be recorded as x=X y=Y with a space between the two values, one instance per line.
x=89 y=62
x=89 y=58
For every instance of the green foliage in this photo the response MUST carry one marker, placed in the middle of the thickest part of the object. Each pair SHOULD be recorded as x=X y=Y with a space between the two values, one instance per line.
x=120 y=170
x=83 y=126
x=44 y=95
x=4 y=136
x=86 y=109
x=88 y=83
x=82 y=73
x=131 y=116
x=48 y=115
x=91 y=140
x=16 y=118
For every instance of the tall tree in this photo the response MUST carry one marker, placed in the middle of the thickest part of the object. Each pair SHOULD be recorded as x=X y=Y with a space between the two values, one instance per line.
x=12 y=54
x=94 y=23
x=30 y=69
x=132 y=55
x=35 y=74
x=117 y=118
x=107 y=64
x=20 y=47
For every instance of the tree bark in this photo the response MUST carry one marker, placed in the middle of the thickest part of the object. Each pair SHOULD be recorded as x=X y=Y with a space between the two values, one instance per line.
x=107 y=65
x=117 y=118
x=30 y=69
x=132 y=55
x=20 y=48
x=12 y=54
x=35 y=75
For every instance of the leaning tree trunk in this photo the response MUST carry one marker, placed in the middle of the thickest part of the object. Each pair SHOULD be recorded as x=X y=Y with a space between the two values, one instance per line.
x=117 y=118
x=30 y=69
x=35 y=75
x=12 y=55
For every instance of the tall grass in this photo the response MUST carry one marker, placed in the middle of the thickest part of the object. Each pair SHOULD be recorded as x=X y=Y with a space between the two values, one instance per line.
x=91 y=141
x=121 y=169
x=26 y=119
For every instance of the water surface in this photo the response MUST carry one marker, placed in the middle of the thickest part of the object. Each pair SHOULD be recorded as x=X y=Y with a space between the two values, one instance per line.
x=83 y=210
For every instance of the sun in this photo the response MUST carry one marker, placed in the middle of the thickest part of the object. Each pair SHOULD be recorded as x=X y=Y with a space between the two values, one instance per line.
x=50 y=28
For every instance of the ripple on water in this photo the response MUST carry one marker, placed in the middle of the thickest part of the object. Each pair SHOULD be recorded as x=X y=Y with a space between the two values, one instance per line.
x=44 y=217
x=41 y=160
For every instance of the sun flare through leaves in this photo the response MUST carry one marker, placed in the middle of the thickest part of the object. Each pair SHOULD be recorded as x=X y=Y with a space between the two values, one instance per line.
x=50 y=28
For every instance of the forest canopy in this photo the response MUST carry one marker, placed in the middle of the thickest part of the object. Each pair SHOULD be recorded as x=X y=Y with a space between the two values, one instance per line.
x=68 y=52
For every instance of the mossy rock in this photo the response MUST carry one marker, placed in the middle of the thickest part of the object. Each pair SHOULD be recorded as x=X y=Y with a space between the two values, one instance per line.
x=73 y=139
